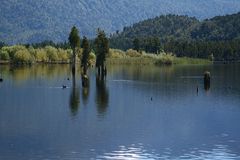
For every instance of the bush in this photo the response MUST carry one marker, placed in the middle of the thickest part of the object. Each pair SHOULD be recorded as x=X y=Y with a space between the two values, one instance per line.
x=165 y=59
x=116 y=53
x=133 y=53
x=13 y=49
x=63 y=55
x=92 y=58
x=41 y=55
x=4 y=55
x=22 y=57
x=52 y=53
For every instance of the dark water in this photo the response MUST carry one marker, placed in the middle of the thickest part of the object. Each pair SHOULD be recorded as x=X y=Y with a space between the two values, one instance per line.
x=136 y=113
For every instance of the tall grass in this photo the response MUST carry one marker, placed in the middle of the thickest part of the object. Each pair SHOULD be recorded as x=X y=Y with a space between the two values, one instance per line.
x=143 y=58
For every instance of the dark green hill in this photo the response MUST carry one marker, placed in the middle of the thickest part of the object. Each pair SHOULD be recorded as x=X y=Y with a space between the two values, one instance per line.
x=28 y=21
x=183 y=28
x=184 y=36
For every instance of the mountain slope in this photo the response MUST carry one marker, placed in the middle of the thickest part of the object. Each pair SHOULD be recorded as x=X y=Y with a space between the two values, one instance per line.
x=24 y=21
x=184 y=28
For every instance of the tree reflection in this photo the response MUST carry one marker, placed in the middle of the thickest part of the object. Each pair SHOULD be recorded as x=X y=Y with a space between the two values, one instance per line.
x=206 y=86
x=74 y=97
x=85 y=89
x=102 y=95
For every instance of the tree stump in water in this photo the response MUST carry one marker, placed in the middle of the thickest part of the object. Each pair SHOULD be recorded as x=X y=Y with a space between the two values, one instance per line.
x=85 y=81
x=207 y=79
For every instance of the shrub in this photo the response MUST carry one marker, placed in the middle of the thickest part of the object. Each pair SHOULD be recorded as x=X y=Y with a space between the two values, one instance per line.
x=92 y=58
x=22 y=57
x=63 y=55
x=133 y=53
x=116 y=53
x=13 y=49
x=165 y=59
x=41 y=55
x=4 y=55
x=52 y=53
x=211 y=57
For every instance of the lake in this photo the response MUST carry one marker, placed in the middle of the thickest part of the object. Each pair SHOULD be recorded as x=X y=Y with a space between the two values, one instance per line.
x=141 y=112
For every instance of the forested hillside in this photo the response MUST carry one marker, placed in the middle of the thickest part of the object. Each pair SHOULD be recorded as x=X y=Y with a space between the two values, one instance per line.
x=217 y=38
x=30 y=21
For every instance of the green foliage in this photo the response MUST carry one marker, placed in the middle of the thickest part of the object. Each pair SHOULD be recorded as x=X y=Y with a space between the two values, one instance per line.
x=52 y=53
x=22 y=57
x=2 y=44
x=13 y=49
x=211 y=57
x=86 y=52
x=63 y=55
x=136 y=44
x=133 y=53
x=29 y=21
x=116 y=53
x=74 y=38
x=222 y=50
x=41 y=55
x=4 y=55
x=101 y=48
x=20 y=54
x=165 y=59
x=184 y=36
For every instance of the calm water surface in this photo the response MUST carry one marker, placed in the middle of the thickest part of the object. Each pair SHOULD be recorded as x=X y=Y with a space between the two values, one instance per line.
x=116 y=118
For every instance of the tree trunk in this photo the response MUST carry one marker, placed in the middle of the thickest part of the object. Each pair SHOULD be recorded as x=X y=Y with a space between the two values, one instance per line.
x=74 y=62
x=102 y=70
x=99 y=71
x=84 y=69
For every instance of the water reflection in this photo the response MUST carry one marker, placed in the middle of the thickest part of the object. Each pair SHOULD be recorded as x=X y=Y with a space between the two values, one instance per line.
x=206 y=86
x=74 y=97
x=136 y=152
x=176 y=124
x=85 y=94
x=102 y=95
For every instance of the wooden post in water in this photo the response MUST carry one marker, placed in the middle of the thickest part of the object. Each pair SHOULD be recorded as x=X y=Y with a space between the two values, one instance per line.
x=207 y=80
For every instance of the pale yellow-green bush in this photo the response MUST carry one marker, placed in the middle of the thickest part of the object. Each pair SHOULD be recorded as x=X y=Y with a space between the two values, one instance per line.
x=4 y=55
x=63 y=55
x=13 y=49
x=52 y=53
x=133 y=53
x=41 y=55
x=165 y=59
x=92 y=58
x=22 y=57
x=116 y=53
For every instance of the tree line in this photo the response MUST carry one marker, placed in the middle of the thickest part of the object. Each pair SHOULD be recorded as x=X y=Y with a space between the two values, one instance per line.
x=183 y=36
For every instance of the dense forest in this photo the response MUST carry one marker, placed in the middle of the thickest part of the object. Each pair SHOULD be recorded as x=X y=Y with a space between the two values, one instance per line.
x=32 y=21
x=217 y=38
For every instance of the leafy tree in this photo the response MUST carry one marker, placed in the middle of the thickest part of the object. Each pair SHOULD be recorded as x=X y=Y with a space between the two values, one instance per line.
x=74 y=41
x=101 y=49
x=2 y=44
x=85 y=55
x=136 y=44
